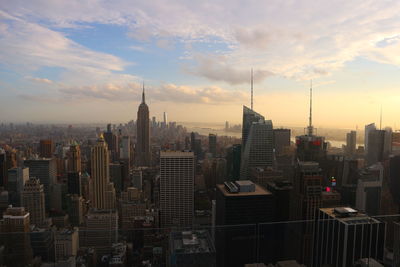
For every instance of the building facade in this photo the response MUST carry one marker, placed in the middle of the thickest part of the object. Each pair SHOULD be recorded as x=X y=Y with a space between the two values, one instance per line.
x=177 y=170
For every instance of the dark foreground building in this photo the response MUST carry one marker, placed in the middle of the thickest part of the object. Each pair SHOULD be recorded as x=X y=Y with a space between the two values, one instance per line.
x=240 y=206
x=343 y=236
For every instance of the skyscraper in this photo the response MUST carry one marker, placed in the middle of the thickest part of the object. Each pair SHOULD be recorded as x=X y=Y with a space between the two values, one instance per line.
x=46 y=148
x=176 y=188
x=101 y=175
x=125 y=148
x=281 y=140
x=3 y=167
x=368 y=128
x=143 y=134
x=246 y=204
x=212 y=144
x=351 y=143
x=112 y=142
x=100 y=231
x=15 y=231
x=16 y=181
x=165 y=119
x=33 y=200
x=258 y=151
x=342 y=236
x=74 y=158
x=233 y=158
x=249 y=116
x=46 y=171
x=376 y=143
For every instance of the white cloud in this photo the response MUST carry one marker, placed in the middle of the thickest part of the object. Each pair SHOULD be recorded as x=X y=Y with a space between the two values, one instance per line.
x=41 y=80
x=299 y=40
x=127 y=92
x=29 y=46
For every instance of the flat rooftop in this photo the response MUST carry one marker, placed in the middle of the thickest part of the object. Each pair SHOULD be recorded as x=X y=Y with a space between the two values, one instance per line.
x=173 y=154
x=259 y=191
x=189 y=242
x=354 y=217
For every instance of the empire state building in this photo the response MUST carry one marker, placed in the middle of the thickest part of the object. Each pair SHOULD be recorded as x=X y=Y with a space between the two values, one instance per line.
x=143 y=134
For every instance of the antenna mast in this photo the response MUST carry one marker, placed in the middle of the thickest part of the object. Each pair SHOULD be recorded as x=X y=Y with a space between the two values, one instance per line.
x=310 y=127
x=143 y=97
x=251 y=88
x=380 y=121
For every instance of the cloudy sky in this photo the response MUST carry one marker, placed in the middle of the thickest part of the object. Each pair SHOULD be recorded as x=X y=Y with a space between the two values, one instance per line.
x=85 y=61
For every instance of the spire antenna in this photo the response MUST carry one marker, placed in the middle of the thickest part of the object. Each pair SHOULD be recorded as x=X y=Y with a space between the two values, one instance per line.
x=380 y=121
x=251 y=88
x=310 y=127
x=143 y=97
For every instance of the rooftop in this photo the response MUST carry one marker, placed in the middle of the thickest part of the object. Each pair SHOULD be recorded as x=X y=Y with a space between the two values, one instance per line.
x=259 y=190
x=172 y=154
x=188 y=242
x=348 y=215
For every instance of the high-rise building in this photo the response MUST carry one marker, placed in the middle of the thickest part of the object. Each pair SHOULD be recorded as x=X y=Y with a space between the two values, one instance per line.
x=396 y=244
x=258 y=151
x=15 y=233
x=165 y=119
x=246 y=204
x=74 y=183
x=7 y=161
x=75 y=209
x=3 y=167
x=112 y=142
x=103 y=190
x=369 y=188
x=368 y=128
x=17 y=178
x=116 y=176
x=249 y=117
x=233 y=158
x=376 y=143
x=343 y=236
x=46 y=148
x=137 y=178
x=100 y=231
x=66 y=243
x=177 y=170
x=388 y=142
x=42 y=243
x=212 y=144
x=74 y=158
x=307 y=198
x=46 y=171
x=143 y=155
x=281 y=140
x=394 y=181
x=351 y=143
x=125 y=148
x=33 y=200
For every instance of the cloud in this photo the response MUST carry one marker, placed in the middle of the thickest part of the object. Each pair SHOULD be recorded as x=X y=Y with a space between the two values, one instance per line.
x=137 y=48
x=27 y=45
x=41 y=80
x=126 y=92
x=217 y=68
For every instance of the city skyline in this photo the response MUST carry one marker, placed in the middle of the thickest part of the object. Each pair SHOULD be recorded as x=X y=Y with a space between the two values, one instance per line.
x=71 y=62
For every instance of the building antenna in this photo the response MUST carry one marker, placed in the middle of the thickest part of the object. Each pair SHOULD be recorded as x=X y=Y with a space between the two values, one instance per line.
x=143 y=98
x=310 y=127
x=380 y=121
x=251 y=88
